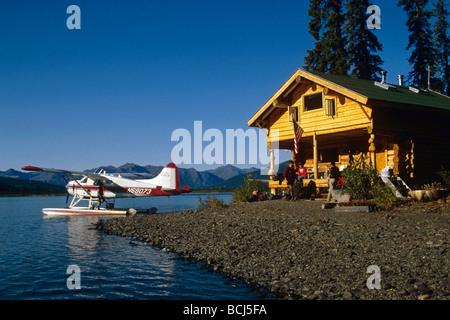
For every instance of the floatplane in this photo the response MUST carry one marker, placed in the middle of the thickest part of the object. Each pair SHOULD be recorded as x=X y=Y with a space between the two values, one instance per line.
x=96 y=188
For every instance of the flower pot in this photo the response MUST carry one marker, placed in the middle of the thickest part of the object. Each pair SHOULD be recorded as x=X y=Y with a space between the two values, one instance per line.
x=435 y=194
x=341 y=197
x=417 y=195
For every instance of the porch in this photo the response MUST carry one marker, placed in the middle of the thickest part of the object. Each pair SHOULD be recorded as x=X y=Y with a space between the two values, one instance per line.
x=321 y=184
x=316 y=152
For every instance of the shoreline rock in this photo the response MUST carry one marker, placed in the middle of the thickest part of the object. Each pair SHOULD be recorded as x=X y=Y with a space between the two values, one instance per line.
x=297 y=250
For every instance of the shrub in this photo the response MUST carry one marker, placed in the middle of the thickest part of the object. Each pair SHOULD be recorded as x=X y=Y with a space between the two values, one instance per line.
x=383 y=196
x=362 y=182
x=359 y=178
x=250 y=185
x=211 y=202
x=445 y=176
x=432 y=186
x=298 y=190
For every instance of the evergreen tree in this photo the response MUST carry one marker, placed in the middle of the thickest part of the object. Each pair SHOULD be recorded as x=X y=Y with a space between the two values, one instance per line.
x=362 y=43
x=329 y=54
x=420 y=40
x=315 y=60
x=334 y=40
x=442 y=46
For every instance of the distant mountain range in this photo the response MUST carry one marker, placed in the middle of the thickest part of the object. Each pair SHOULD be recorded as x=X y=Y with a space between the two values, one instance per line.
x=226 y=177
x=20 y=187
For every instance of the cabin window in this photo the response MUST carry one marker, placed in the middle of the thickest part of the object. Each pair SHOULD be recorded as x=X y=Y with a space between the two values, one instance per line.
x=330 y=107
x=312 y=102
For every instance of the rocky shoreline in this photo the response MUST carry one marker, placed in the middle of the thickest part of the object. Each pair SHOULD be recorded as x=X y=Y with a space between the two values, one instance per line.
x=297 y=250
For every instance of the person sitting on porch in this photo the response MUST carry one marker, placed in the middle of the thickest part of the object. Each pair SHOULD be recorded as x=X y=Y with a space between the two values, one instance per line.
x=302 y=174
x=290 y=175
x=333 y=177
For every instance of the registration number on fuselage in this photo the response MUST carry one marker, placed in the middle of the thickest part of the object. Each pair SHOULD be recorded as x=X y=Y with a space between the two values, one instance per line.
x=140 y=190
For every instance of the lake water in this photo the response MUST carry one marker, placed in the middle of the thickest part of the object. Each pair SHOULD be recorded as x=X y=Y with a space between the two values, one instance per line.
x=36 y=251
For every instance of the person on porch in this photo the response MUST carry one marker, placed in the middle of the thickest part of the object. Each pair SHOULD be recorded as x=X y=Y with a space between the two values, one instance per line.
x=333 y=177
x=290 y=175
x=302 y=174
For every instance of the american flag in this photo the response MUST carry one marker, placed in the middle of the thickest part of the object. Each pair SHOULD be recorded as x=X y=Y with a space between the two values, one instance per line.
x=298 y=131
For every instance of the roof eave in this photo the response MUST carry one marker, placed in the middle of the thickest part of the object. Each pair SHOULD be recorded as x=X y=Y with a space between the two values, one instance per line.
x=296 y=76
x=253 y=120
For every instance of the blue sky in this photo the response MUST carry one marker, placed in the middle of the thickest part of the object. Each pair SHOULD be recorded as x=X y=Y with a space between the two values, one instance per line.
x=114 y=91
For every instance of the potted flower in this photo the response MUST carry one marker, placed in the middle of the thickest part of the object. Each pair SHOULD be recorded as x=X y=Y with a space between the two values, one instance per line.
x=340 y=194
x=417 y=195
x=432 y=190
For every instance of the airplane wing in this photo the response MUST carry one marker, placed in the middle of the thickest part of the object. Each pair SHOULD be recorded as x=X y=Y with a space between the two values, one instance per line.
x=93 y=176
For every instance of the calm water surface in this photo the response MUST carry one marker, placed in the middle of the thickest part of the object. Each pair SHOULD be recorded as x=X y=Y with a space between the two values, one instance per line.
x=36 y=250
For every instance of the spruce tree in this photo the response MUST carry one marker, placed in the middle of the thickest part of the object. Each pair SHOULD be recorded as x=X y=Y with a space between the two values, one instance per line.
x=442 y=46
x=362 y=42
x=420 y=40
x=315 y=60
x=335 y=41
x=326 y=26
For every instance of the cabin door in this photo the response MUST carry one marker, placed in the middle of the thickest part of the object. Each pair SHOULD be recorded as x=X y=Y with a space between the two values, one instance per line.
x=381 y=160
x=383 y=150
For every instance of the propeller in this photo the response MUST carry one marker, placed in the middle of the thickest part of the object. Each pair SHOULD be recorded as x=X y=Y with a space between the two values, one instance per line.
x=67 y=191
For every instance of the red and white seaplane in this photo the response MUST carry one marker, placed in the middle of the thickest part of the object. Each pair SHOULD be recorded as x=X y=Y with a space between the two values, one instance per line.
x=97 y=187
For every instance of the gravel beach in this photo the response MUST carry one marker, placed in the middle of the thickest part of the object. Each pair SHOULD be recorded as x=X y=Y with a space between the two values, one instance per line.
x=297 y=250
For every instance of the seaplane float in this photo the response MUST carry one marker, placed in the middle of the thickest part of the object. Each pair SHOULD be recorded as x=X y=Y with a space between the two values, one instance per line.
x=98 y=188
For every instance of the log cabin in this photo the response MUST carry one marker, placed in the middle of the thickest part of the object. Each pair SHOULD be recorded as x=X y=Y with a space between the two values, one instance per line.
x=342 y=117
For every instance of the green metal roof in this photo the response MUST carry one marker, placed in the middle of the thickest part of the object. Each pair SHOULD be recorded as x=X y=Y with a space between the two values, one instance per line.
x=400 y=94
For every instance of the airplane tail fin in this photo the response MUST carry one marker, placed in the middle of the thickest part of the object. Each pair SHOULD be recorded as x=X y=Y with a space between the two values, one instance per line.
x=168 y=179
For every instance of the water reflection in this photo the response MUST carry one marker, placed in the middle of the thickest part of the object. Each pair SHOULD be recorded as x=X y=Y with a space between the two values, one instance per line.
x=36 y=250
